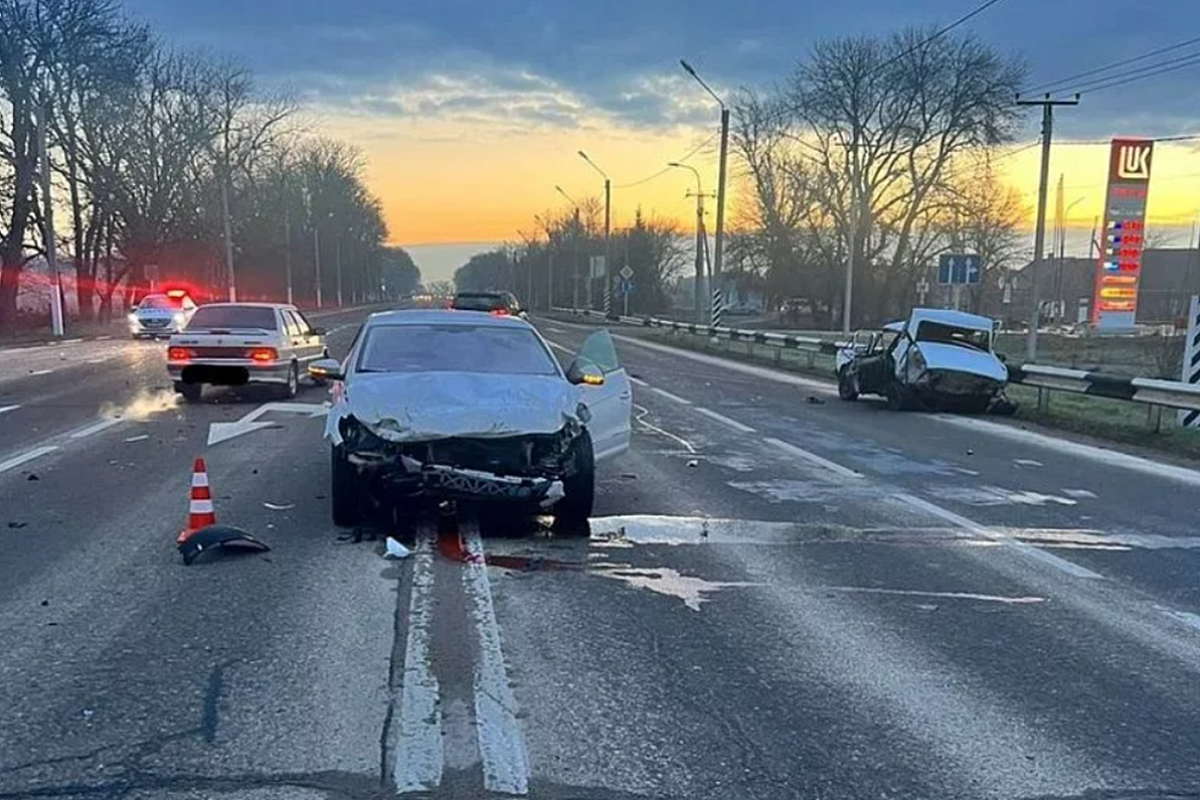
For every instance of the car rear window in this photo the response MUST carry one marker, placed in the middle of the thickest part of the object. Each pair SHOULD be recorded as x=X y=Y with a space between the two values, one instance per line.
x=208 y=317
x=949 y=334
x=479 y=302
x=455 y=348
x=160 y=301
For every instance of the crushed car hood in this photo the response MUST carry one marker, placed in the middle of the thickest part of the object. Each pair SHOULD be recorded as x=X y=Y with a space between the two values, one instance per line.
x=955 y=358
x=424 y=406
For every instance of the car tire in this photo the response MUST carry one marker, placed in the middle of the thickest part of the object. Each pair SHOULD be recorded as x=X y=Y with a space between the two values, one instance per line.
x=192 y=392
x=847 y=385
x=571 y=513
x=343 y=490
x=292 y=387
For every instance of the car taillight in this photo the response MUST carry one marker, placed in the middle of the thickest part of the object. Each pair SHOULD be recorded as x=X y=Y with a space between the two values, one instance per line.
x=178 y=354
x=500 y=312
x=264 y=354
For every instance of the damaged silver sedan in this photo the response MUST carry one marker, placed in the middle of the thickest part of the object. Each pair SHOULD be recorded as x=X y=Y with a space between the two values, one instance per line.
x=446 y=405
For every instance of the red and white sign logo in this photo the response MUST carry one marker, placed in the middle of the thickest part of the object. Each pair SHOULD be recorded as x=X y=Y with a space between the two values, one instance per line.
x=1130 y=160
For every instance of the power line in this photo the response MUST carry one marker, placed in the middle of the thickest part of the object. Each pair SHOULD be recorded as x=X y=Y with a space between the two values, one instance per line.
x=1056 y=85
x=1139 y=73
x=667 y=169
x=1102 y=87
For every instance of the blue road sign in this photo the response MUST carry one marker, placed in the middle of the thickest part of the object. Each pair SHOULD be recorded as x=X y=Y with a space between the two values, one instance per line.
x=959 y=268
x=626 y=286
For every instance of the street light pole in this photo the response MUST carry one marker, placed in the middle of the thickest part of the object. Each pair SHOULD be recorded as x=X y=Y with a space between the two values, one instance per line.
x=700 y=289
x=719 y=236
x=56 y=295
x=607 y=233
x=575 y=231
x=317 y=258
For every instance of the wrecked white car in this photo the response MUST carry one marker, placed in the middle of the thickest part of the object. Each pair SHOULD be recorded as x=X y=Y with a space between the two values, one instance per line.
x=937 y=359
x=440 y=405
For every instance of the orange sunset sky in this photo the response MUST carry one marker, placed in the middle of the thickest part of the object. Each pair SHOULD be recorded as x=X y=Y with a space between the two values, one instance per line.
x=445 y=185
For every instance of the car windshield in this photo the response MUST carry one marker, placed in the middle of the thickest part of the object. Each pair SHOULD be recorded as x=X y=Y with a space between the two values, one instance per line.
x=209 y=317
x=161 y=301
x=940 y=333
x=455 y=348
x=479 y=302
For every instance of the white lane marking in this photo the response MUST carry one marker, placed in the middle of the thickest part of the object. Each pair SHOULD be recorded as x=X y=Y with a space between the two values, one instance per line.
x=103 y=338
x=813 y=458
x=638 y=382
x=71 y=341
x=747 y=369
x=724 y=420
x=643 y=411
x=1079 y=493
x=419 y=754
x=141 y=438
x=672 y=397
x=986 y=598
x=17 y=461
x=501 y=746
x=1027 y=462
x=6 y=409
x=39 y=372
x=1112 y=458
x=1186 y=617
x=970 y=526
x=103 y=424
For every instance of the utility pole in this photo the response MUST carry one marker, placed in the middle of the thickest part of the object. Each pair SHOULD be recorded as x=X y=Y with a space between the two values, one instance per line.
x=701 y=305
x=287 y=249
x=719 y=236
x=607 y=246
x=575 y=289
x=852 y=238
x=56 y=295
x=549 y=272
x=227 y=225
x=1039 y=237
x=337 y=264
x=317 y=259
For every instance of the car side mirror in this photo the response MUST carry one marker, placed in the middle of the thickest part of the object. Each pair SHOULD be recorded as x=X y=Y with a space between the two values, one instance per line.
x=326 y=369
x=584 y=373
x=1003 y=358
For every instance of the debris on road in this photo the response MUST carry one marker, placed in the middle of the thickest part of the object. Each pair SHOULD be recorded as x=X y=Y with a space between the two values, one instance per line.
x=141 y=438
x=33 y=477
x=395 y=551
x=816 y=401
x=970 y=452
x=693 y=463
x=17 y=524
x=215 y=536
x=279 y=507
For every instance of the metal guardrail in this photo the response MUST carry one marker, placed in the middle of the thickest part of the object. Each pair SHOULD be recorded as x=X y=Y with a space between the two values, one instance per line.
x=1148 y=391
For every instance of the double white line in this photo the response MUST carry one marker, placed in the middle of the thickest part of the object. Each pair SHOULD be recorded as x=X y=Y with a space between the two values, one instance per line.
x=419 y=746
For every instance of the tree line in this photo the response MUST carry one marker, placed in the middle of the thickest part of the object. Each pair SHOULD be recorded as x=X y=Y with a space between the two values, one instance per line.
x=879 y=150
x=170 y=166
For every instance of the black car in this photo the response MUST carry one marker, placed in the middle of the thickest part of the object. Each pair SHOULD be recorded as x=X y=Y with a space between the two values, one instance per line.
x=498 y=303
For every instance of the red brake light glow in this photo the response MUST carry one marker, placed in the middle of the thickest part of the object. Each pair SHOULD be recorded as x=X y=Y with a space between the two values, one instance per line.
x=500 y=312
x=178 y=354
x=263 y=354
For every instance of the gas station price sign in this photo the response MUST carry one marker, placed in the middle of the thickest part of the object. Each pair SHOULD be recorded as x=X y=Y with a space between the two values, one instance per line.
x=1114 y=306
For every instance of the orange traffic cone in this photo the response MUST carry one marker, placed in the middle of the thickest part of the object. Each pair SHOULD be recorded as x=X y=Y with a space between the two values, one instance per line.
x=200 y=505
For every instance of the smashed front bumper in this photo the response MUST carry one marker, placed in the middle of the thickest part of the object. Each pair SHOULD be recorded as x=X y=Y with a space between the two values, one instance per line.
x=407 y=477
x=956 y=386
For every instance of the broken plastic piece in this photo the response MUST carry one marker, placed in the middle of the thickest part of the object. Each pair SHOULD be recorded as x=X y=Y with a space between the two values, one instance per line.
x=213 y=536
x=278 y=507
x=394 y=550
x=693 y=463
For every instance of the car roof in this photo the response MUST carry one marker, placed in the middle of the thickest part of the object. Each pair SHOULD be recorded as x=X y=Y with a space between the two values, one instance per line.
x=959 y=319
x=419 y=316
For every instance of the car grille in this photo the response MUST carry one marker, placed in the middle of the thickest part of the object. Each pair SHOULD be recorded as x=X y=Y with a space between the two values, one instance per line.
x=155 y=322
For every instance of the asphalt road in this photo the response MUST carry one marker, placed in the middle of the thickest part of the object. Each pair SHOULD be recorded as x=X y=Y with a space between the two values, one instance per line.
x=784 y=596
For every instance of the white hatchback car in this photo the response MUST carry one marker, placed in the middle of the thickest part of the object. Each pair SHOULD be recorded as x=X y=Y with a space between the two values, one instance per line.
x=233 y=344
x=474 y=407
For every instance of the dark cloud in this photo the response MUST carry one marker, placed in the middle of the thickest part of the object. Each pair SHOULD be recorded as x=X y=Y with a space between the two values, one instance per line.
x=600 y=55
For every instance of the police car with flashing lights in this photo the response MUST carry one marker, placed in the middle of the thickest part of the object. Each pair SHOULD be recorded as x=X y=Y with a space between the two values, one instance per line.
x=160 y=315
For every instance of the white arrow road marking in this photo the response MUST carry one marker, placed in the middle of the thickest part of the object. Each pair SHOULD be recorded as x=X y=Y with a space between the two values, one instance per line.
x=103 y=424
x=5 y=409
x=501 y=746
x=419 y=755
x=222 y=431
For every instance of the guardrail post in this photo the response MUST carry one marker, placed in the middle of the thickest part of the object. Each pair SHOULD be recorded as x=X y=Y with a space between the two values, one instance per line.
x=778 y=355
x=1154 y=417
x=810 y=359
x=1043 y=403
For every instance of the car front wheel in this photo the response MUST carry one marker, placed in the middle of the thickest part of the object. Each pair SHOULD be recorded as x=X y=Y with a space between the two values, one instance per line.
x=579 y=489
x=343 y=490
x=847 y=385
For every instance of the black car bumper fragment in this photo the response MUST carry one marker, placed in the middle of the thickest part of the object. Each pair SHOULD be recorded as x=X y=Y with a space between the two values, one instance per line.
x=408 y=477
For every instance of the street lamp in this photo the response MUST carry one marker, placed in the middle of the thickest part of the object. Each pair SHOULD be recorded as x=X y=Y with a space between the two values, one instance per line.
x=575 y=282
x=701 y=290
x=719 y=243
x=607 y=234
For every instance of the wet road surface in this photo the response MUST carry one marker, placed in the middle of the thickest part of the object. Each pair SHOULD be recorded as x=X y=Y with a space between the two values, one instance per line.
x=780 y=598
